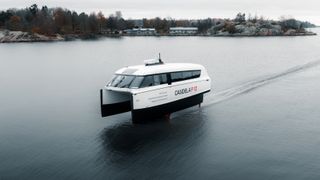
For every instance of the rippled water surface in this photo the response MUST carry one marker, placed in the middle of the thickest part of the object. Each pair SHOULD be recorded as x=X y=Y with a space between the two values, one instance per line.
x=261 y=120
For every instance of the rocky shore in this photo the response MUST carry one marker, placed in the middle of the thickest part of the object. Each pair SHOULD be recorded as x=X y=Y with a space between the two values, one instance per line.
x=240 y=30
x=19 y=36
x=262 y=28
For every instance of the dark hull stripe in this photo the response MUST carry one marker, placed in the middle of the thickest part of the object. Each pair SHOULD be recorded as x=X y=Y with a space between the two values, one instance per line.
x=143 y=115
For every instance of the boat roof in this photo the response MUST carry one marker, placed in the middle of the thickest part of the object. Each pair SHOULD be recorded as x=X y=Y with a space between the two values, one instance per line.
x=141 y=70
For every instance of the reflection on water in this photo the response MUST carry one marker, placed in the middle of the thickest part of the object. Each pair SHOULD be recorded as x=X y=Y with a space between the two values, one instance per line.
x=126 y=139
x=129 y=140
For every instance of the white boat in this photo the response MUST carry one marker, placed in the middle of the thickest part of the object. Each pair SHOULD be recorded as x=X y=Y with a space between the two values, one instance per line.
x=154 y=89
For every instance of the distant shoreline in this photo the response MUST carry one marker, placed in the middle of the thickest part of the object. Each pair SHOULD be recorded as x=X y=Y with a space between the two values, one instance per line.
x=19 y=36
x=44 y=24
x=226 y=35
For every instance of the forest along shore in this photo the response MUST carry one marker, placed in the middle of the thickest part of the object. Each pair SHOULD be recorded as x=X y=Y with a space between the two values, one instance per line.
x=34 y=24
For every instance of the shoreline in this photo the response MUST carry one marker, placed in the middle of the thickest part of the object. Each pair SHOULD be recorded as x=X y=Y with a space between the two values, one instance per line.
x=25 y=37
x=7 y=36
x=222 y=35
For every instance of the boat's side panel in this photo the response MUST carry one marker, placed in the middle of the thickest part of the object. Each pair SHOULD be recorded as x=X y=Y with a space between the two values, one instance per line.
x=169 y=93
x=142 y=115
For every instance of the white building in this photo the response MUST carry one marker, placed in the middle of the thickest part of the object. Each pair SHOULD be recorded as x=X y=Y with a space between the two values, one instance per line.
x=141 y=31
x=183 y=30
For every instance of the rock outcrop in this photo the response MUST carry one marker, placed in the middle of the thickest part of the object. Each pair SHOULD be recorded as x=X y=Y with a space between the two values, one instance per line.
x=19 y=36
x=259 y=28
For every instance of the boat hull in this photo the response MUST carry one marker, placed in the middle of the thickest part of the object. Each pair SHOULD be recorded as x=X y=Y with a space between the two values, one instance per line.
x=123 y=104
x=146 y=114
x=113 y=103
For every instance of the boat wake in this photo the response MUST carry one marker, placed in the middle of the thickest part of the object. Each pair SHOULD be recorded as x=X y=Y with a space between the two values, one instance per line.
x=254 y=84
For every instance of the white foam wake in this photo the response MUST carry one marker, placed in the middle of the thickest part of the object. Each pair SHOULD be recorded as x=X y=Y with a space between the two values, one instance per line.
x=252 y=85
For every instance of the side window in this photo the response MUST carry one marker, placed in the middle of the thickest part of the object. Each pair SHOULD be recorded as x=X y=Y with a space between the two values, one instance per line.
x=176 y=76
x=147 y=81
x=180 y=76
x=160 y=79
x=196 y=74
x=187 y=75
x=157 y=80
x=136 y=82
x=164 y=79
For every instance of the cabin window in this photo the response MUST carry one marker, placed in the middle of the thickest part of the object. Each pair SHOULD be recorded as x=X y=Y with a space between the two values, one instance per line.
x=160 y=79
x=196 y=74
x=164 y=79
x=121 y=81
x=130 y=81
x=154 y=80
x=185 y=75
x=176 y=76
x=136 y=82
x=147 y=81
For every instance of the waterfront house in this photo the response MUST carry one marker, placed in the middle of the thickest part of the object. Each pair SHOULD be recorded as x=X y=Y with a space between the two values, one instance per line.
x=141 y=31
x=183 y=30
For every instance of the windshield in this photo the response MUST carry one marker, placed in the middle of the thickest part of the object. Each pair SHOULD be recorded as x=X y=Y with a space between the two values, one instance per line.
x=125 y=81
x=134 y=82
x=121 y=81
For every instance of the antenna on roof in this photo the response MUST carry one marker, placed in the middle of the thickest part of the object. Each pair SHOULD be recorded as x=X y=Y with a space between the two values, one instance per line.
x=150 y=62
x=160 y=61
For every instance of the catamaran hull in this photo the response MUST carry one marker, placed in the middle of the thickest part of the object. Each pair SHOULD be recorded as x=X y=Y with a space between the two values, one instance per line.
x=113 y=103
x=146 y=114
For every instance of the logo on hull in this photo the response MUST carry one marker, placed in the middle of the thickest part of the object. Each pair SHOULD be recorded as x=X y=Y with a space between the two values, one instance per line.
x=186 y=90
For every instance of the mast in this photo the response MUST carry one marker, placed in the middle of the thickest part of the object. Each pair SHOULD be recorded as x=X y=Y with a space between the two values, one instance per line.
x=160 y=61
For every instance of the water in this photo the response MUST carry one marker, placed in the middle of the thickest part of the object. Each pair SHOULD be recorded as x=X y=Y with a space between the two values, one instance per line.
x=261 y=121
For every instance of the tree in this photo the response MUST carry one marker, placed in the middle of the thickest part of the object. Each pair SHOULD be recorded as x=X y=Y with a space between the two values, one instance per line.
x=147 y=23
x=240 y=18
x=45 y=11
x=204 y=25
x=291 y=24
x=15 y=23
x=4 y=17
x=102 y=21
x=75 y=22
x=83 y=19
x=161 y=25
x=59 y=19
x=121 y=24
x=93 y=23
x=34 y=9
x=111 y=22
x=230 y=27
x=130 y=24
